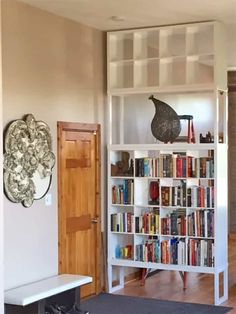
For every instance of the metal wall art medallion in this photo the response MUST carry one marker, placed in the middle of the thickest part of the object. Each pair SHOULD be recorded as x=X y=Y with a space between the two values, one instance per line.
x=28 y=160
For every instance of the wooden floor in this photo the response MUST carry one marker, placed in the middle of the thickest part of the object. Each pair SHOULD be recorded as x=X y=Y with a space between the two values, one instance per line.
x=168 y=285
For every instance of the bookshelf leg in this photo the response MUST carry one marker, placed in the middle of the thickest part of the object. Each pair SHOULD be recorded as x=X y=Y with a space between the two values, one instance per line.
x=120 y=277
x=217 y=287
x=226 y=284
x=184 y=277
x=220 y=299
x=122 y=280
x=109 y=268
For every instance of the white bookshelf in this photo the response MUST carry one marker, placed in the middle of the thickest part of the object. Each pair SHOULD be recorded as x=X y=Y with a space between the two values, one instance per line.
x=184 y=66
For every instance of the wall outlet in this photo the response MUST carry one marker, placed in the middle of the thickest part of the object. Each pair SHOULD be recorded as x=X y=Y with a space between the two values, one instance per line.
x=48 y=199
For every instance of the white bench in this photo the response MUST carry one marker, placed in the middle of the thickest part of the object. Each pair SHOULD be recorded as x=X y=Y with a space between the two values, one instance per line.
x=32 y=298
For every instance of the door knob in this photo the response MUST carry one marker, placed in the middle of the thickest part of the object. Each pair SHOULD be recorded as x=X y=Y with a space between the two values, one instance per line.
x=94 y=220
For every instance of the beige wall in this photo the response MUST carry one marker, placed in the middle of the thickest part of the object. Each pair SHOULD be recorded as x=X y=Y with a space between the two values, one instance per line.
x=54 y=69
x=231 y=45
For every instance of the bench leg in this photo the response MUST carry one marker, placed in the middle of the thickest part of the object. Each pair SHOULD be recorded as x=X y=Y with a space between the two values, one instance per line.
x=77 y=302
x=41 y=306
x=77 y=297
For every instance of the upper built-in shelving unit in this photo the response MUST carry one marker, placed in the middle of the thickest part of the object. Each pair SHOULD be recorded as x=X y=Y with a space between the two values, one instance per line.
x=178 y=57
x=182 y=65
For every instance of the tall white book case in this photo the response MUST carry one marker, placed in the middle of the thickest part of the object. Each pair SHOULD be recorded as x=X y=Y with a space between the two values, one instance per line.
x=167 y=203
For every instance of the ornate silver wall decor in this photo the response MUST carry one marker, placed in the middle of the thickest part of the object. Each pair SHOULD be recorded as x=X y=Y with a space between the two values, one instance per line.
x=28 y=160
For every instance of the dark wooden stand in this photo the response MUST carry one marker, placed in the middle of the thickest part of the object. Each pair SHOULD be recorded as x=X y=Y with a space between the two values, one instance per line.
x=183 y=275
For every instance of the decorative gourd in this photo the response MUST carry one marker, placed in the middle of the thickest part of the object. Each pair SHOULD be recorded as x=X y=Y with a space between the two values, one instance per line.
x=165 y=124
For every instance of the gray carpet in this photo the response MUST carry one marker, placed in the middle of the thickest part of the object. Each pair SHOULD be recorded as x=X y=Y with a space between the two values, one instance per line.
x=106 y=303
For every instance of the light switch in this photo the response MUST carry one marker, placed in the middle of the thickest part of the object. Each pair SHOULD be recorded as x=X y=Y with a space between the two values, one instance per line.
x=48 y=199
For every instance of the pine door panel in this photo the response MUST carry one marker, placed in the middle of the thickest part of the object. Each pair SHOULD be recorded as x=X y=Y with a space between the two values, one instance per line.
x=79 y=204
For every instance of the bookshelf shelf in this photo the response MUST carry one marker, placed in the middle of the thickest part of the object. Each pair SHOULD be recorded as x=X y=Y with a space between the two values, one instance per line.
x=171 y=212
x=161 y=266
x=122 y=205
x=121 y=232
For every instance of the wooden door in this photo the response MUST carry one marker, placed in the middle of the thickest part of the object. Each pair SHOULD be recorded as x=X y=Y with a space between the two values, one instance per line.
x=79 y=202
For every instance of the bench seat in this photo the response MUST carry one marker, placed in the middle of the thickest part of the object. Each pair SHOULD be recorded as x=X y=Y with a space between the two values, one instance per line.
x=43 y=289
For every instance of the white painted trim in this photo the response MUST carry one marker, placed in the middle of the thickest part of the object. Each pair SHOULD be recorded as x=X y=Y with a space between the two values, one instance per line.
x=229 y=69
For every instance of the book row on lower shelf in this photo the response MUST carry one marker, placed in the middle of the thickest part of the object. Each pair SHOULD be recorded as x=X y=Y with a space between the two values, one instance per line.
x=123 y=193
x=198 y=222
x=177 y=194
x=176 y=251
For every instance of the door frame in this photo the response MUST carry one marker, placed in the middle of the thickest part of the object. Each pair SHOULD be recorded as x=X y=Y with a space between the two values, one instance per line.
x=89 y=127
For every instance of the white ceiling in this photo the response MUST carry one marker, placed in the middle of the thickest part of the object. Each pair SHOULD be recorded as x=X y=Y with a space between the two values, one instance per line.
x=139 y=13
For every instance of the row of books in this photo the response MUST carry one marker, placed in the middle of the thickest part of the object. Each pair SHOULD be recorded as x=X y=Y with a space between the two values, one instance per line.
x=201 y=252
x=194 y=196
x=174 y=223
x=148 y=252
x=171 y=251
x=123 y=193
x=175 y=165
x=174 y=195
x=122 y=222
x=200 y=196
x=202 y=167
x=148 y=222
x=201 y=223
